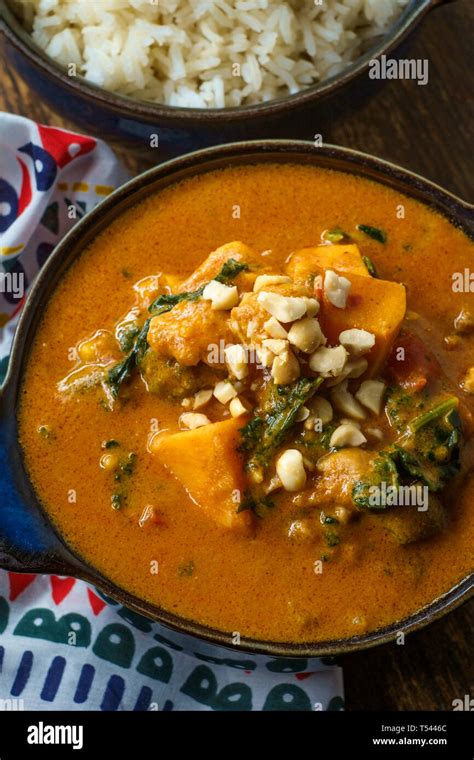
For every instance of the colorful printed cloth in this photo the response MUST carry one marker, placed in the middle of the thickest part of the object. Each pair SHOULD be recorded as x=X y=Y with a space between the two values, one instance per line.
x=62 y=645
x=49 y=178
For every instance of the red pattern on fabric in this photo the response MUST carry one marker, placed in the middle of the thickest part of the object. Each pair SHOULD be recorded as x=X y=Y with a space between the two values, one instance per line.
x=58 y=143
x=26 y=193
x=97 y=604
x=18 y=582
x=60 y=587
x=18 y=308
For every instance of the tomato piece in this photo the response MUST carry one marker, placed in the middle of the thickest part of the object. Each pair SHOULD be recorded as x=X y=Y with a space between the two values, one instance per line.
x=411 y=364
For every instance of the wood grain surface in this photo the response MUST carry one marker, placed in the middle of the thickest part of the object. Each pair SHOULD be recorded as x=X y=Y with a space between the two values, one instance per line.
x=427 y=129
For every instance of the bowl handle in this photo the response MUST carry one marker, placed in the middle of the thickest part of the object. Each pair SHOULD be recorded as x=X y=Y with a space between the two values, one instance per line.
x=28 y=543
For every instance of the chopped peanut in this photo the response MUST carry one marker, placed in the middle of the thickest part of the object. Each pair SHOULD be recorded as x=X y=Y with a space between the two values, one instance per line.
x=285 y=368
x=193 y=420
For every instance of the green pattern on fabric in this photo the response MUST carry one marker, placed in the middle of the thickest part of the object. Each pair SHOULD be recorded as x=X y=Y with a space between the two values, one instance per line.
x=50 y=218
x=115 y=643
x=40 y=623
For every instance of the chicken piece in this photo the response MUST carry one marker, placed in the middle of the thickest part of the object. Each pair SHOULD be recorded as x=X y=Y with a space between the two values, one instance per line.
x=192 y=329
x=344 y=258
x=249 y=317
x=189 y=331
x=169 y=379
x=216 y=260
x=208 y=466
x=336 y=475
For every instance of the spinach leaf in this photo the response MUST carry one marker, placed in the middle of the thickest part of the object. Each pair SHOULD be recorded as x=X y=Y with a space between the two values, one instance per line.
x=368 y=493
x=126 y=335
x=168 y=301
x=251 y=433
x=370 y=266
x=116 y=500
x=229 y=271
x=373 y=232
x=427 y=451
x=268 y=429
x=123 y=369
x=164 y=303
x=110 y=444
x=336 y=235
x=257 y=502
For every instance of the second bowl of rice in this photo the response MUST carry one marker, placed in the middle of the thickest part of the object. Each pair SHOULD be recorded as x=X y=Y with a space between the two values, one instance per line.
x=197 y=70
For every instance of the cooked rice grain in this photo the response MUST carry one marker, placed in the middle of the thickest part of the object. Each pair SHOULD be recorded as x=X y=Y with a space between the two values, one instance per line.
x=207 y=53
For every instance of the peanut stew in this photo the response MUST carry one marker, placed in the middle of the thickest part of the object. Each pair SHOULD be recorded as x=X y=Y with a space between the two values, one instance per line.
x=250 y=402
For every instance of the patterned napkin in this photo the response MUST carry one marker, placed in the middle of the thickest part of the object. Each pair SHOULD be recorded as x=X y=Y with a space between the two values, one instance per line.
x=63 y=646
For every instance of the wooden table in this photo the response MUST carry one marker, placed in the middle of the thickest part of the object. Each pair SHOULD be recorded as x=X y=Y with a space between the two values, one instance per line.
x=428 y=130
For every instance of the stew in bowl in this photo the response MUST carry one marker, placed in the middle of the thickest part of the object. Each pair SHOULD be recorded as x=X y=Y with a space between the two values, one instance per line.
x=250 y=402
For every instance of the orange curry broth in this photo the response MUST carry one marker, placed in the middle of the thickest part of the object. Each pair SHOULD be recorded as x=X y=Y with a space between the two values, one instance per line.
x=264 y=586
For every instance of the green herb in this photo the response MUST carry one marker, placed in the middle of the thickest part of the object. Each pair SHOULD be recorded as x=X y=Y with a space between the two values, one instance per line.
x=166 y=302
x=126 y=335
x=335 y=235
x=331 y=538
x=230 y=270
x=407 y=247
x=427 y=451
x=110 y=444
x=399 y=406
x=276 y=419
x=251 y=433
x=384 y=470
x=430 y=448
x=116 y=500
x=123 y=369
x=327 y=519
x=255 y=502
x=370 y=266
x=45 y=431
x=324 y=557
x=373 y=232
x=448 y=405
x=316 y=443
x=127 y=465
x=186 y=569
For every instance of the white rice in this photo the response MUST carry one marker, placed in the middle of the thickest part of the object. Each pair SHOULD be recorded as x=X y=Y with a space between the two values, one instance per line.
x=207 y=53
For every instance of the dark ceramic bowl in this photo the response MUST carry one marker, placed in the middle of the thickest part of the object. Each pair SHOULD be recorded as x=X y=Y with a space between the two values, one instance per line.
x=185 y=129
x=28 y=540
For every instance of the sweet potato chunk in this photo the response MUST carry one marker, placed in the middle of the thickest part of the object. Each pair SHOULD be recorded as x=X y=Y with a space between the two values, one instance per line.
x=216 y=260
x=375 y=305
x=208 y=466
x=312 y=261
